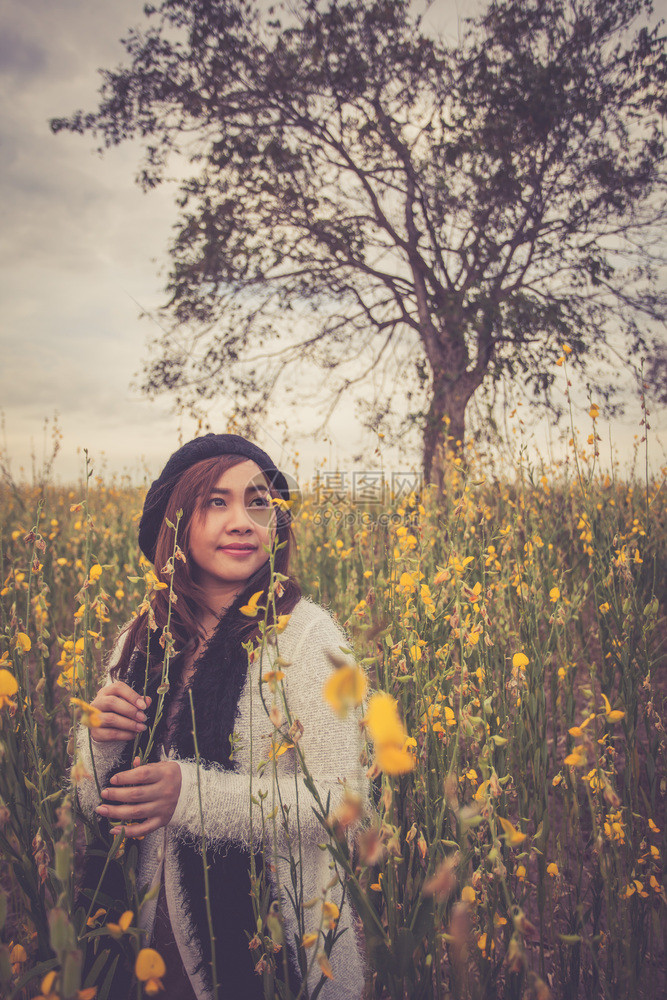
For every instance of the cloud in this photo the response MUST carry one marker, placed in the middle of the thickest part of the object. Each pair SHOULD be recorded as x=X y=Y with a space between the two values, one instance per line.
x=19 y=57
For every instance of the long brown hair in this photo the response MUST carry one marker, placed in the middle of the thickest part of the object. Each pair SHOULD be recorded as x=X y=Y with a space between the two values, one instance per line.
x=190 y=494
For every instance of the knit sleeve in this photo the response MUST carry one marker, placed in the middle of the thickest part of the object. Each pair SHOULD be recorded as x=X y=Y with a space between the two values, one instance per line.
x=331 y=747
x=107 y=756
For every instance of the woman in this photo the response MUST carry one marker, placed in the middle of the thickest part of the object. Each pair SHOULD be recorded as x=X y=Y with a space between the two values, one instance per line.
x=224 y=486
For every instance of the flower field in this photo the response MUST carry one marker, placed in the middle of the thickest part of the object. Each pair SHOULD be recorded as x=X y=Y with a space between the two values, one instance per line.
x=513 y=633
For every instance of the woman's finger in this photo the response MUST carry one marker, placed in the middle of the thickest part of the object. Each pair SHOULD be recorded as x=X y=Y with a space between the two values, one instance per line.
x=136 y=829
x=120 y=813
x=143 y=775
x=131 y=793
x=122 y=728
x=104 y=734
x=122 y=690
x=110 y=720
x=119 y=706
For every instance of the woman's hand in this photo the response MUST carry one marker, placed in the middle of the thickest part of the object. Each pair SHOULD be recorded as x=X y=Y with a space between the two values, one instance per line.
x=146 y=797
x=122 y=712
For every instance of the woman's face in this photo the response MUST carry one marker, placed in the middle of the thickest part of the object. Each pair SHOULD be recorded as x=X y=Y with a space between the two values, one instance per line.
x=229 y=532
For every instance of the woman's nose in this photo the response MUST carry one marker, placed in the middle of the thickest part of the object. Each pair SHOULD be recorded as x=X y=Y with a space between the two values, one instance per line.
x=240 y=520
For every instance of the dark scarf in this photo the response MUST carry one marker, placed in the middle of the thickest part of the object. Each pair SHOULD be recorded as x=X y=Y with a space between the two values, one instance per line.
x=216 y=688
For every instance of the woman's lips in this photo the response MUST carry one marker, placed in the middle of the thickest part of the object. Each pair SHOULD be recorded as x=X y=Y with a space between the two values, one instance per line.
x=238 y=550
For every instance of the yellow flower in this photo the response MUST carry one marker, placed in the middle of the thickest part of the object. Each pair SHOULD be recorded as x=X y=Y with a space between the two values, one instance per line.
x=330 y=915
x=604 y=608
x=520 y=660
x=279 y=747
x=91 y=921
x=345 y=688
x=468 y=894
x=23 y=643
x=153 y=583
x=594 y=412
x=611 y=716
x=393 y=759
x=149 y=968
x=480 y=794
x=552 y=869
x=95 y=572
x=281 y=624
x=566 y=349
x=383 y=721
x=250 y=609
x=513 y=837
x=481 y=943
x=124 y=921
x=554 y=594
x=47 y=985
x=90 y=717
x=308 y=940
x=8 y=688
x=472 y=637
x=272 y=677
x=578 y=758
x=578 y=730
x=18 y=955
x=325 y=965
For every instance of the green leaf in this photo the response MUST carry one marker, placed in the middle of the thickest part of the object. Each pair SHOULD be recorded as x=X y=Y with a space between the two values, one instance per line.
x=36 y=972
x=97 y=968
x=103 y=992
x=404 y=949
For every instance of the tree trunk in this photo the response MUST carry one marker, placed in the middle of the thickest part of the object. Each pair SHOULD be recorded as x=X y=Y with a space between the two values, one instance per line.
x=444 y=430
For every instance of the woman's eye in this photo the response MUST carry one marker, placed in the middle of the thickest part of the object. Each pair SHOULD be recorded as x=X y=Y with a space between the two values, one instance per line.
x=216 y=502
x=259 y=502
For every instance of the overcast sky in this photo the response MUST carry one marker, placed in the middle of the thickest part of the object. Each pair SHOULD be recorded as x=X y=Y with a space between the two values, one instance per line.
x=82 y=251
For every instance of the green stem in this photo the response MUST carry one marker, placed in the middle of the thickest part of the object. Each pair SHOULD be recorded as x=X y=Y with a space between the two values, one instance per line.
x=207 y=894
x=118 y=840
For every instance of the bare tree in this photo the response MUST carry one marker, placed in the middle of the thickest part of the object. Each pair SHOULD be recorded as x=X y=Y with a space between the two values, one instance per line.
x=362 y=187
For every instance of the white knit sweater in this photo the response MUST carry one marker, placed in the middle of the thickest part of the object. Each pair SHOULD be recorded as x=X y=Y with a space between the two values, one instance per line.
x=331 y=748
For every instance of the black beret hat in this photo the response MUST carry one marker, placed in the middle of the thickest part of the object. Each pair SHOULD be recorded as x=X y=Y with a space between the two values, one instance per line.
x=208 y=446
